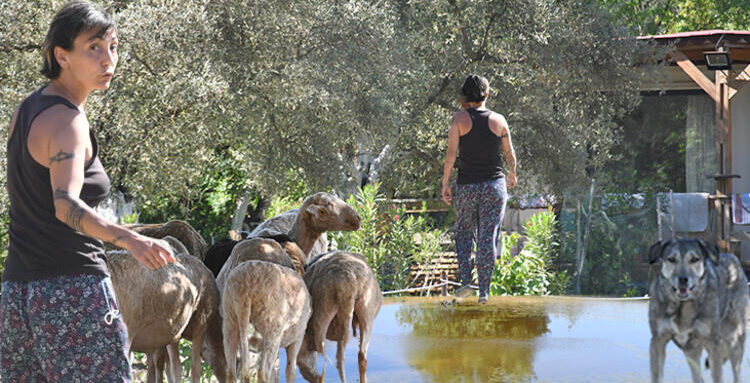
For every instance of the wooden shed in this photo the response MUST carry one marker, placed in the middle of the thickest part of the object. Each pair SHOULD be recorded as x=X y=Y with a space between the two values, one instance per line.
x=717 y=150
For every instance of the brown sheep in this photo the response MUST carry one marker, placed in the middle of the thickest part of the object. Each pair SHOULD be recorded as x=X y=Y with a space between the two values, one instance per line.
x=161 y=306
x=180 y=230
x=344 y=290
x=275 y=301
x=256 y=249
x=305 y=227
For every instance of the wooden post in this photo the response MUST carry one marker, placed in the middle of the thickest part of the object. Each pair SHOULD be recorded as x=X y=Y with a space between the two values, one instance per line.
x=721 y=90
x=585 y=237
x=444 y=289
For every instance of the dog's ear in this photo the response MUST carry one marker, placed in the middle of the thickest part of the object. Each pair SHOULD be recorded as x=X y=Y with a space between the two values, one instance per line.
x=654 y=253
x=710 y=250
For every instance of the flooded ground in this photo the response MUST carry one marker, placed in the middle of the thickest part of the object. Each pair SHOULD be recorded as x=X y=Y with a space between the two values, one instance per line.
x=512 y=339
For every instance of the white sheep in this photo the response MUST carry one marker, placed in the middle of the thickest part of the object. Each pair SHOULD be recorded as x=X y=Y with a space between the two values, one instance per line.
x=344 y=290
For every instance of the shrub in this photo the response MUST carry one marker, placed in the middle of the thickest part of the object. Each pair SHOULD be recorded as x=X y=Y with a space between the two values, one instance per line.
x=390 y=239
x=528 y=273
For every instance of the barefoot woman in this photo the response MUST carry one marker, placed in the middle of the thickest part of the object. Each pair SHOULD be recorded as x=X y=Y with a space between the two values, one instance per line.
x=478 y=134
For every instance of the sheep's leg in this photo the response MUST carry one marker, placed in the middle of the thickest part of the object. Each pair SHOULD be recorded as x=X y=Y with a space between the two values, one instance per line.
x=291 y=360
x=174 y=374
x=156 y=361
x=231 y=333
x=268 y=355
x=364 y=343
x=150 y=369
x=320 y=328
x=243 y=321
x=195 y=368
x=341 y=344
x=340 y=347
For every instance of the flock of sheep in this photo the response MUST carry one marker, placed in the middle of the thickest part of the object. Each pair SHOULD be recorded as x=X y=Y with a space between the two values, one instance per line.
x=279 y=279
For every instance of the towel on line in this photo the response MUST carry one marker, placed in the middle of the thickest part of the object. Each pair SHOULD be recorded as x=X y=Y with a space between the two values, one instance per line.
x=690 y=212
x=741 y=209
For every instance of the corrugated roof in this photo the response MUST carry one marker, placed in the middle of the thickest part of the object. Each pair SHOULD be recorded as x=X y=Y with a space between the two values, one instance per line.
x=696 y=34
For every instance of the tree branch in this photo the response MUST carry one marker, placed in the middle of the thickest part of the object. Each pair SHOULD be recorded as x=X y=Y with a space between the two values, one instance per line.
x=20 y=48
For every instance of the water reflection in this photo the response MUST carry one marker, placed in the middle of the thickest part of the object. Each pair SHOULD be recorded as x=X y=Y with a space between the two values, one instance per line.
x=491 y=343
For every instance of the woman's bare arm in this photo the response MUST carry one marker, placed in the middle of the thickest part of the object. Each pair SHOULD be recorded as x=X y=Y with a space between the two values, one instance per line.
x=510 y=153
x=450 y=159
x=66 y=153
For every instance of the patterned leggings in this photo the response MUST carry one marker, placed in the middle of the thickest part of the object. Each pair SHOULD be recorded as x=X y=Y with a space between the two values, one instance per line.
x=62 y=329
x=479 y=214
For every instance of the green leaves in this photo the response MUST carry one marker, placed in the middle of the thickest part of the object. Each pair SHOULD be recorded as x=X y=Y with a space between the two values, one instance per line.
x=529 y=272
x=390 y=239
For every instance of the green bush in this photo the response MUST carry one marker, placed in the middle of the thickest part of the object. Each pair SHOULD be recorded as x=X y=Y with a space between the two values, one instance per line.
x=528 y=273
x=389 y=239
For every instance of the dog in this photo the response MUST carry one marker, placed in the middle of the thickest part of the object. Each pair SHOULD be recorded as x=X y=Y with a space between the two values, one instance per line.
x=699 y=299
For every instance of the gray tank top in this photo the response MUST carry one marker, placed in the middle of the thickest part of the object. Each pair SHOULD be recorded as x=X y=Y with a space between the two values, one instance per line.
x=41 y=246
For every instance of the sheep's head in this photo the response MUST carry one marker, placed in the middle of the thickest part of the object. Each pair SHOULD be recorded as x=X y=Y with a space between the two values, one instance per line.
x=175 y=245
x=326 y=212
x=307 y=360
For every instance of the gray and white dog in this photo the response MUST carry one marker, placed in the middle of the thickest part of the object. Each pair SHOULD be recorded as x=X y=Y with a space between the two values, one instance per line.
x=698 y=300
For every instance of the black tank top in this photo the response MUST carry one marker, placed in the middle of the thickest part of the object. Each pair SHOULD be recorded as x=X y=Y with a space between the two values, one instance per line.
x=41 y=246
x=479 y=157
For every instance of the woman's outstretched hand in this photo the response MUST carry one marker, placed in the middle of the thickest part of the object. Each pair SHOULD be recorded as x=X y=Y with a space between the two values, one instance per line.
x=149 y=252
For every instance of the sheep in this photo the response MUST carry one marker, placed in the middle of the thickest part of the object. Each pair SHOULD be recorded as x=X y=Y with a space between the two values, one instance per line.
x=218 y=253
x=305 y=227
x=275 y=301
x=180 y=230
x=161 y=306
x=256 y=249
x=343 y=289
x=215 y=258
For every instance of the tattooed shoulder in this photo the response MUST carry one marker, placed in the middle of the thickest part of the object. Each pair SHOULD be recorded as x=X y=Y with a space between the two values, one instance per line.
x=61 y=156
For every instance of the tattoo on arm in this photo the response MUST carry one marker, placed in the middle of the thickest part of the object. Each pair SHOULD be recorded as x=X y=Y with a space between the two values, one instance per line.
x=60 y=157
x=118 y=239
x=74 y=216
x=512 y=163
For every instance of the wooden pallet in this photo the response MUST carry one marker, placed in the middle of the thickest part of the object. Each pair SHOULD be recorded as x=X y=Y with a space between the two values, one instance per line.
x=445 y=265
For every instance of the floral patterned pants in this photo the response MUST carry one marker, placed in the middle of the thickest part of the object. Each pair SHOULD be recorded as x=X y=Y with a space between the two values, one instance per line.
x=62 y=329
x=479 y=214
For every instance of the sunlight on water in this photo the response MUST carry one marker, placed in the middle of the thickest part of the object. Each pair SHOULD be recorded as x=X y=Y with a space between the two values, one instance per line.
x=512 y=339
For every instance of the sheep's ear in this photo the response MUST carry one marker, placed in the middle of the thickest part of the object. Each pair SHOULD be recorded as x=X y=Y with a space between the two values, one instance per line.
x=710 y=250
x=317 y=211
x=654 y=253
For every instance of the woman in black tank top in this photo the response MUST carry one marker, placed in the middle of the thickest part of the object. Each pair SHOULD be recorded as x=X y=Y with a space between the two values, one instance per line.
x=57 y=311
x=478 y=135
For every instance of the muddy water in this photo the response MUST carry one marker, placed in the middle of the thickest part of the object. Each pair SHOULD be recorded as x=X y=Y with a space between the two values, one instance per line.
x=512 y=339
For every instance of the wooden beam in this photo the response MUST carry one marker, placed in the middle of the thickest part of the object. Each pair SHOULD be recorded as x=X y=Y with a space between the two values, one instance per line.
x=742 y=79
x=744 y=74
x=694 y=73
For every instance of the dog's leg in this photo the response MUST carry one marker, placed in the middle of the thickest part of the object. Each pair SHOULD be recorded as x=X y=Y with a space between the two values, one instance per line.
x=657 y=352
x=716 y=361
x=693 y=356
x=735 y=356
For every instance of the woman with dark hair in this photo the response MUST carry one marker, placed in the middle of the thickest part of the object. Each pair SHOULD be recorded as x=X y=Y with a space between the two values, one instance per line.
x=478 y=134
x=58 y=317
